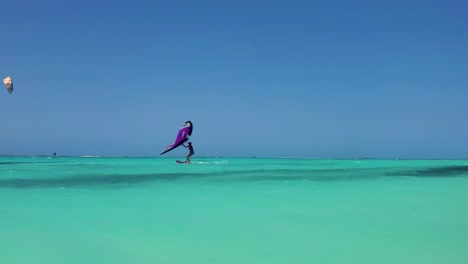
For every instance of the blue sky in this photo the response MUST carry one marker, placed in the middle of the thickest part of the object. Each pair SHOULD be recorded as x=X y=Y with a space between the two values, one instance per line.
x=342 y=79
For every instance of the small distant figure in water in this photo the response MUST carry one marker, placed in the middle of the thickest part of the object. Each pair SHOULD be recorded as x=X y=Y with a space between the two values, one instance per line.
x=55 y=154
x=191 y=152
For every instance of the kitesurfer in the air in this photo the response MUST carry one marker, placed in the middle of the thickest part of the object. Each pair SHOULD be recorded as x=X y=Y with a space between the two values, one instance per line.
x=191 y=152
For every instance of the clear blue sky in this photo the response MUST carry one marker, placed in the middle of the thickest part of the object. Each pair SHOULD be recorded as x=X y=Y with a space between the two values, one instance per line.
x=344 y=79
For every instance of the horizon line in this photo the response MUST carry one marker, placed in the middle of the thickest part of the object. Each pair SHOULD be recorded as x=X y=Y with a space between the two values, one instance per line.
x=229 y=157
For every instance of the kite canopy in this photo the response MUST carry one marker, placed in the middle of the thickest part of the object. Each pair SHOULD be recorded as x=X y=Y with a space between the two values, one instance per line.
x=182 y=136
x=8 y=84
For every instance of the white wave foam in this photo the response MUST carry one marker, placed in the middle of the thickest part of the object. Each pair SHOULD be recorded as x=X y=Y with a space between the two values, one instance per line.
x=211 y=162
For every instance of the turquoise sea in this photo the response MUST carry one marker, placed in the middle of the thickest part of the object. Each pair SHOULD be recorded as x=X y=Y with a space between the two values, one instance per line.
x=232 y=210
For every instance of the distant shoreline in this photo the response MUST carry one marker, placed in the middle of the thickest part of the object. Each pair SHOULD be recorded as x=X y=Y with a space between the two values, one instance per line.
x=225 y=157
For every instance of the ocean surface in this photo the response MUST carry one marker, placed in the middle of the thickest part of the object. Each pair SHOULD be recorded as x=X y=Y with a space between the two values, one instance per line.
x=232 y=210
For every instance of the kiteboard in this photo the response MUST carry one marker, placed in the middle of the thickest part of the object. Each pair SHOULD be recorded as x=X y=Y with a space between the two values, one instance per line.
x=181 y=162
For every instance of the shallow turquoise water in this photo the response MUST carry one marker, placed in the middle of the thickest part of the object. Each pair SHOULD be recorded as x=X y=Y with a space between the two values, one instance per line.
x=226 y=210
